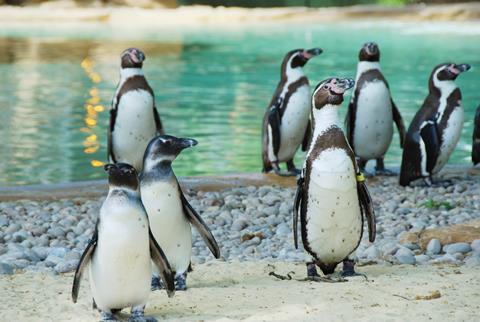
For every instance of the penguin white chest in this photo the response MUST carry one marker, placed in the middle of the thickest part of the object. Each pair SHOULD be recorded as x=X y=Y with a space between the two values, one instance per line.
x=134 y=127
x=120 y=269
x=294 y=123
x=450 y=137
x=333 y=218
x=168 y=222
x=374 y=121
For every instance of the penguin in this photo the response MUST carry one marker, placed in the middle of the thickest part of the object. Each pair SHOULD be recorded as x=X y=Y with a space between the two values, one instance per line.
x=436 y=128
x=170 y=214
x=476 y=138
x=121 y=250
x=331 y=197
x=134 y=119
x=371 y=112
x=286 y=121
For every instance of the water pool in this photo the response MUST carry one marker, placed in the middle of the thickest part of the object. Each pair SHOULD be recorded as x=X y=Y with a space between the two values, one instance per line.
x=211 y=84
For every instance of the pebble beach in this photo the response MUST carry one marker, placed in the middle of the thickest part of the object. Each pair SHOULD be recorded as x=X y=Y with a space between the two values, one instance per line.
x=255 y=223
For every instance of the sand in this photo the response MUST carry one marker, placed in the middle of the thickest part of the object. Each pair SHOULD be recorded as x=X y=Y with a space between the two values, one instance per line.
x=237 y=291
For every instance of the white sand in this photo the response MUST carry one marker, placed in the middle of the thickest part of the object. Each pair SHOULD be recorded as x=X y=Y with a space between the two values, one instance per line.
x=244 y=291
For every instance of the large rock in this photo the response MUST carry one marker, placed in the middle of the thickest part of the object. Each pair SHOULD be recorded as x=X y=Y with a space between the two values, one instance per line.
x=462 y=233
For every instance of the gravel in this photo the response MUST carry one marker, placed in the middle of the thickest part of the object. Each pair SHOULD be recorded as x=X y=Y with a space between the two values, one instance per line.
x=250 y=223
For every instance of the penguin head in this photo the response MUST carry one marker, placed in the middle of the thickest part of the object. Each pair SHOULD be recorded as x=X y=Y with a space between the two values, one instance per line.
x=369 y=52
x=164 y=149
x=132 y=58
x=448 y=72
x=297 y=58
x=330 y=91
x=122 y=175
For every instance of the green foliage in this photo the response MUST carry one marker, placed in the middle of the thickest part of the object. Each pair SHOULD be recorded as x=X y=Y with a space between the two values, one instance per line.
x=433 y=204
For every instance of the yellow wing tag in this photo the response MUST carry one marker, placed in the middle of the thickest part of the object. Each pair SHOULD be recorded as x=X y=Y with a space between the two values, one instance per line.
x=360 y=177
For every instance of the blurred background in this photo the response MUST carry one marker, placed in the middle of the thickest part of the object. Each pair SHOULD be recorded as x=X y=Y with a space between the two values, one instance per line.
x=212 y=82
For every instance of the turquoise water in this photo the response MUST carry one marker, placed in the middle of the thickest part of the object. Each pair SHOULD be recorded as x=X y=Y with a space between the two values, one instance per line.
x=212 y=84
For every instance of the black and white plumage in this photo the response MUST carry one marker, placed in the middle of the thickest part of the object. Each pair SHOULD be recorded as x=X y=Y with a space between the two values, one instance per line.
x=372 y=112
x=170 y=214
x=121 y=251
x=476 y=138
x=330 y=201
x=436 y=128
x=134 y=119
x=286 y=121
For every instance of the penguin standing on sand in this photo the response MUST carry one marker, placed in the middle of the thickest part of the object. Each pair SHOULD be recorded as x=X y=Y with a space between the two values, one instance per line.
x=436 y=128
x=134 y=119
x=170 y=214
x=476 y=138
x=331 y=195
x=121 y=250
x=286 y=121
x=371 y=113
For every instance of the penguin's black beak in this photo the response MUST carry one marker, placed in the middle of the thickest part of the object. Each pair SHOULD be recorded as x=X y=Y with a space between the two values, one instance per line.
x=183 y=143
x=344 y=85
x=307 y=54
x=140 y=56
x=462 y=67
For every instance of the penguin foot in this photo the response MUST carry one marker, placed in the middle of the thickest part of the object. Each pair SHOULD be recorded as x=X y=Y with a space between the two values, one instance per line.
x=156 y=284
x=286 y=174
x=107 y=316
x=181 y=282
x=138 y=315
x=349 y=269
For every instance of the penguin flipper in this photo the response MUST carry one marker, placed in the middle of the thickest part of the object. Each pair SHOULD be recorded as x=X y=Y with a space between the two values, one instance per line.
x=431 y=139
x=397 y=118
x=160 y=260
x=296 y=208
x=307 y=137
x=200 y=225
x=84 y=260
x=274 y=122
x=350 y=119
x=366 y=207
x=158 y=121
x=113 y=117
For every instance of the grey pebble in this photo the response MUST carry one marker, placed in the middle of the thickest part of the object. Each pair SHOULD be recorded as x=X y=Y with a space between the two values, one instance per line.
x=405 y=256
x=434 y=247
x=457 y=248
x=6 y=269
x=475 y=245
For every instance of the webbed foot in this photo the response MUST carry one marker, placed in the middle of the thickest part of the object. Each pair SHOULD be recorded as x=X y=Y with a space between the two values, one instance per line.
x=157 y=284
x=181 y=282
x=138 y=315
x=349 y=269
x=107 y=316
x=385 y=172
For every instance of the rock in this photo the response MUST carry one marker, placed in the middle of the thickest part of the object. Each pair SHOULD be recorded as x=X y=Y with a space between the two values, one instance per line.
x=52 y=260
x=457 y=248
x=475 y=245
x=434 y=247
x=239 y=224
x=283 y=229
x=41 y=252
x=466 y=233
x=4 y=221
x=473 y=260
x=389 y=248
x=447 y=258
x=6 y=269
x=405 y=256
x=58 y=251
x=372 y=252
x=66 y=266
x=422 y=259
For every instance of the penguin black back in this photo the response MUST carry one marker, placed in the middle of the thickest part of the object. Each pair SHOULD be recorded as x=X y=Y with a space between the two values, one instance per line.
x=476 y=138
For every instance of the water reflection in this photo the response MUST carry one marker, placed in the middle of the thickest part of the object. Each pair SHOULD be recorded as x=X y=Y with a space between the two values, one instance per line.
x=213 y=85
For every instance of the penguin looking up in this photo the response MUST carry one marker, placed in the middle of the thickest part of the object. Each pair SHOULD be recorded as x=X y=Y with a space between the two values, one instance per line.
x=476 y=138
x=436 y=128
x=134 y=119
x=170 y=214
x=286 y=121
x=371 y=112
x=331 y=193
x=121 y=250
